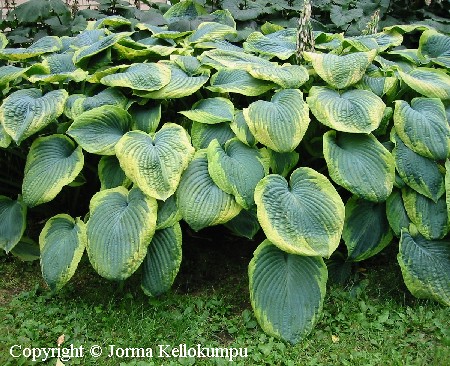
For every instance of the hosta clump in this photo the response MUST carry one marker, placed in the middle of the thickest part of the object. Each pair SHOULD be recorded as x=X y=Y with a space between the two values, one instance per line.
x=342 y=152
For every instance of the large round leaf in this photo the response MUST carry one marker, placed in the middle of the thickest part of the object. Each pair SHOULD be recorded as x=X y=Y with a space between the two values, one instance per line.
x=238 y=81
x=305 y=217
x=420 y=173
x=270 y=46
x=98 y=130
x=366 y=228
x=423 y=127
x=13 y=222
x=429 y=82
x=209 y=31
x=360 y=164
x=211 y=111
x=354 y=111
x=62 y=242
x=120 y=227
x=425 y=266
x=287 y=76
x=236 y=169
x=199 y=200
x=202 y=134
x=146 y=118
x=27 y=111
x=161 y=265
x=59 y=68
x=155 y=163
x=396 y=213
x=52 y=163
x=146 y=77
x=229 y=59
x=429 y=217
x=341 y=71
x=435 y=46
x=281 y=123
x=43 y=45
x=286 y=291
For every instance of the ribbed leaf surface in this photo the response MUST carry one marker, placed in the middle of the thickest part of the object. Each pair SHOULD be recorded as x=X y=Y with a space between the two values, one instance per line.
x=305 y=217
x=396 y=213
x=62 y=242
x=155 y=163
x=161 y=265
x=283 y=163
x=360 y=164
x=111 y=174
x=423 y=127
x=429 y=217
x=52 y=163
x=354 y=111
x=238 y=81
x=269 y=46
x=120 y=227
x=168 y=213
x=146 y=118
x=13 y=222
x=210 y=31
x=202 y=134
x=286 y=76
x=9 y=73
x=429 y=82
x=245 y=224
x=241 y=130
x=59 y=67
x=286 y=291
x=435 y=46
x=341 y=71
x=236 y=169
x=41 y=46
x=199 y=200
x=420 y=173
x=366 y=228
x=281 y=123
x=425 y=266
x=98 y=130
x=235 y=59
x=25 y=112
x=211 y=111
x=78 y=103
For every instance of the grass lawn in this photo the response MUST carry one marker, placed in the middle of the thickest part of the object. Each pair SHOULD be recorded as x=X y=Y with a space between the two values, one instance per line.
x=373 y=320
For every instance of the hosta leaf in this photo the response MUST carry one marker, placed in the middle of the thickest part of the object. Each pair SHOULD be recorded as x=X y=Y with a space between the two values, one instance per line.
x=168 y=213
x=13 y=216
x=286 y=76
x=269 y=46
x=60 y=67
x=379 y=85
x=52 y=163
x=286 y=291
x=425 y=266
x=396 y=213
x=283 y=163
x=240 y=128
x=147 y=77
x=5 y=139
x=435 y=46
x=281 y=123
x=120 y=227
x=305 y=217
x=379 y=41
x=245 y=224
x=420 y=173
x=423 y=127
x=81 y=103
x=88 y=37
x=360 y=164
x=236 y=169
x=366 y=228
x=62 y=242
x=41 y=46
x=429 y=217
x=184 y=9
x=236 y=59
x=161 y=265
x=238 y=81
x=199 y=200
x=211 y=111
x=3 y=41
x=406 y=28
x=209 y=31
x=146 y=118
x=82 y=55
x=9 y=73
x=155 y=163
x=111 y=21
x=111 y=174
x=431 y=83
x=27 y=111
x=341 y=71
x=354 y=111
x=27 y=250
x=98 y=130
x=202 y=134
x=180 y=85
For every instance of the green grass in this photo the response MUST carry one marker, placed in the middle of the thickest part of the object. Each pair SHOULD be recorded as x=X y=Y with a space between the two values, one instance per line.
x=371 y=321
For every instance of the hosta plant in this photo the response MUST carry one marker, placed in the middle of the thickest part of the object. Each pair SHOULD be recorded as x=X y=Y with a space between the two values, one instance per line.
x=112 y=137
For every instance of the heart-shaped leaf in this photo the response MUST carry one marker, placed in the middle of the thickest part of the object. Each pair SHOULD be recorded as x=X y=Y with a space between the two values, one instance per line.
x=155 y=164
x=354 y=111
x=202 y=134
x=62 y=242
x=432 y=83
x=120 y=227
x=211 y=111
x=305 y=217
x=270 y=45
x=287 y=76
x=281 y=123
x=238 y=81
x=286 y=291
x=13 y=222
x=52 y=163
x=360 y=163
